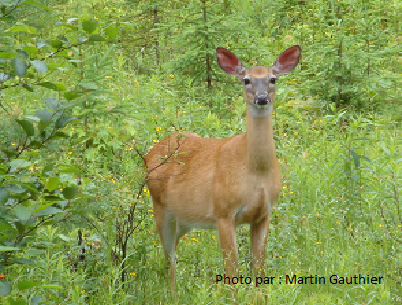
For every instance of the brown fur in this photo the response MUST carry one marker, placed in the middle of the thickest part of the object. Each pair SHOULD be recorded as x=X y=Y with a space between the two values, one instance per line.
x=220 y=183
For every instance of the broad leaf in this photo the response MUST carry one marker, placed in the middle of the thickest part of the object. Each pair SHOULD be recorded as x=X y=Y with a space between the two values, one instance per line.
x=5 y=288
x=20 y=67
x=49 y=85
x=27 y=127
x=53 y=183
x=112 y=31
x=27 y=284
x=69 y=192
x=89 y=26
x=52 y=103
x=23 y=28
x=20 y=163
x=40 y=66
x=23 y=213
x=49 y=211
x=8 y=248
x=44 y=114
x=96 y=38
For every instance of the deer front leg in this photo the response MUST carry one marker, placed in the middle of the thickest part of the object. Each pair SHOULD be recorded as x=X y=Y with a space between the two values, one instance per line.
x=227 y=240
x=259 y=236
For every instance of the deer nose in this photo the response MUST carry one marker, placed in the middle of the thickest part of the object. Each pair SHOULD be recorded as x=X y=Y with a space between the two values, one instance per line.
x=261 y=99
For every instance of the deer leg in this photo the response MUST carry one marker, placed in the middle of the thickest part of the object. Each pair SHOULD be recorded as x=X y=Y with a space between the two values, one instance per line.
x=259 y=236
x=166 y=225
x=227 y=240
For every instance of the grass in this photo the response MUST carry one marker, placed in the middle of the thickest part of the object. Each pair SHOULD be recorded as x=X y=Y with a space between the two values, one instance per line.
x=338 y=214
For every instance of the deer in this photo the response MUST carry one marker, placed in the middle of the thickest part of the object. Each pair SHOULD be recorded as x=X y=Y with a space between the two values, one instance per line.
x=198 y=182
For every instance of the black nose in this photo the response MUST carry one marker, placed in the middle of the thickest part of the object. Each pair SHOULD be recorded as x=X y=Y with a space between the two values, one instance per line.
x=261 y=99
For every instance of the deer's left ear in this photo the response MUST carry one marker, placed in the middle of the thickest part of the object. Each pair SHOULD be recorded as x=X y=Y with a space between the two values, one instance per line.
x=229 y=62
x=287 y=60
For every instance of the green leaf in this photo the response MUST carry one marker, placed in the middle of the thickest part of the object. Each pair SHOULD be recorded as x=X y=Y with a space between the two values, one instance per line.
x=17 y=302
x=42 y=126
x=20 y=67
x=89 y=86
x=89 y=26
x=27 y=127
x=23 y=28
x=49 y=85
x=27 y=284
x=96 y=38
x=20 y=163
x=36 y=144
x=40 y=66
x=30 y=50
x=32 y=117
x=36 y=300
x=69 y=169
x=49 y=211
x=51 y=199
x=8 y=248
x=70 y=192
x=53 y=183
x=27 y=87
x=44 y=115
x=71 y=95
x=5 y=288
x=3 y=195
x=52 y=103
x=24 y=261
x=60 y=134
x=22 y=212
x=42 y=43
x=7 y=54
x=44 y=206
x=112 y=31
x=56 y=43
x=61 y=122
x=35 y=252
x=37 y=4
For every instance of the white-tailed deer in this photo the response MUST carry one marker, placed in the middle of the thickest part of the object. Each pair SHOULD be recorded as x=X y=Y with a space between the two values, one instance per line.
x=200 y=182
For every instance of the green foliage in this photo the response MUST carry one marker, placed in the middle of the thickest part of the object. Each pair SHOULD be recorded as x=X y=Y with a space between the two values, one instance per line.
x=87 y=88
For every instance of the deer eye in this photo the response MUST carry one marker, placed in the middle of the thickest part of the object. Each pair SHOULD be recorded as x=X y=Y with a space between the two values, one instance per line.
x=246 y=81
x=272 y=80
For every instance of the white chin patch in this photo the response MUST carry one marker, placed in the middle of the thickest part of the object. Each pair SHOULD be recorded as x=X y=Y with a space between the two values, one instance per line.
x=260 y=111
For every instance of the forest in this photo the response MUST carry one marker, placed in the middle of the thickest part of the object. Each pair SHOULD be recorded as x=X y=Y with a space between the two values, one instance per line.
x=86 y=88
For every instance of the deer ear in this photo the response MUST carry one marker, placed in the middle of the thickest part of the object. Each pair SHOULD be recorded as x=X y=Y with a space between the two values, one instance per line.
x=229 y=62
x=287 y=60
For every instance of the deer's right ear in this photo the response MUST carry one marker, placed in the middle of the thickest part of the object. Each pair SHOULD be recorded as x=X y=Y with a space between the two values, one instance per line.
x=229 y=62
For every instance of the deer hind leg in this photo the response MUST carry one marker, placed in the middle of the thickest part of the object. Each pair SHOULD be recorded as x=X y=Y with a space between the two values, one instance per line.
x=170 y=231
x=166 y=226
x=259 y=236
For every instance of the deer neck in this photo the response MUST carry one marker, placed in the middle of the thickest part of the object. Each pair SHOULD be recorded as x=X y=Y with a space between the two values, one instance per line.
x=259 y=137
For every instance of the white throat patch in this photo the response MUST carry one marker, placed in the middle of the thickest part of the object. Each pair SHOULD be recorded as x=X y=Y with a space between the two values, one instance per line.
x=260 y=111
